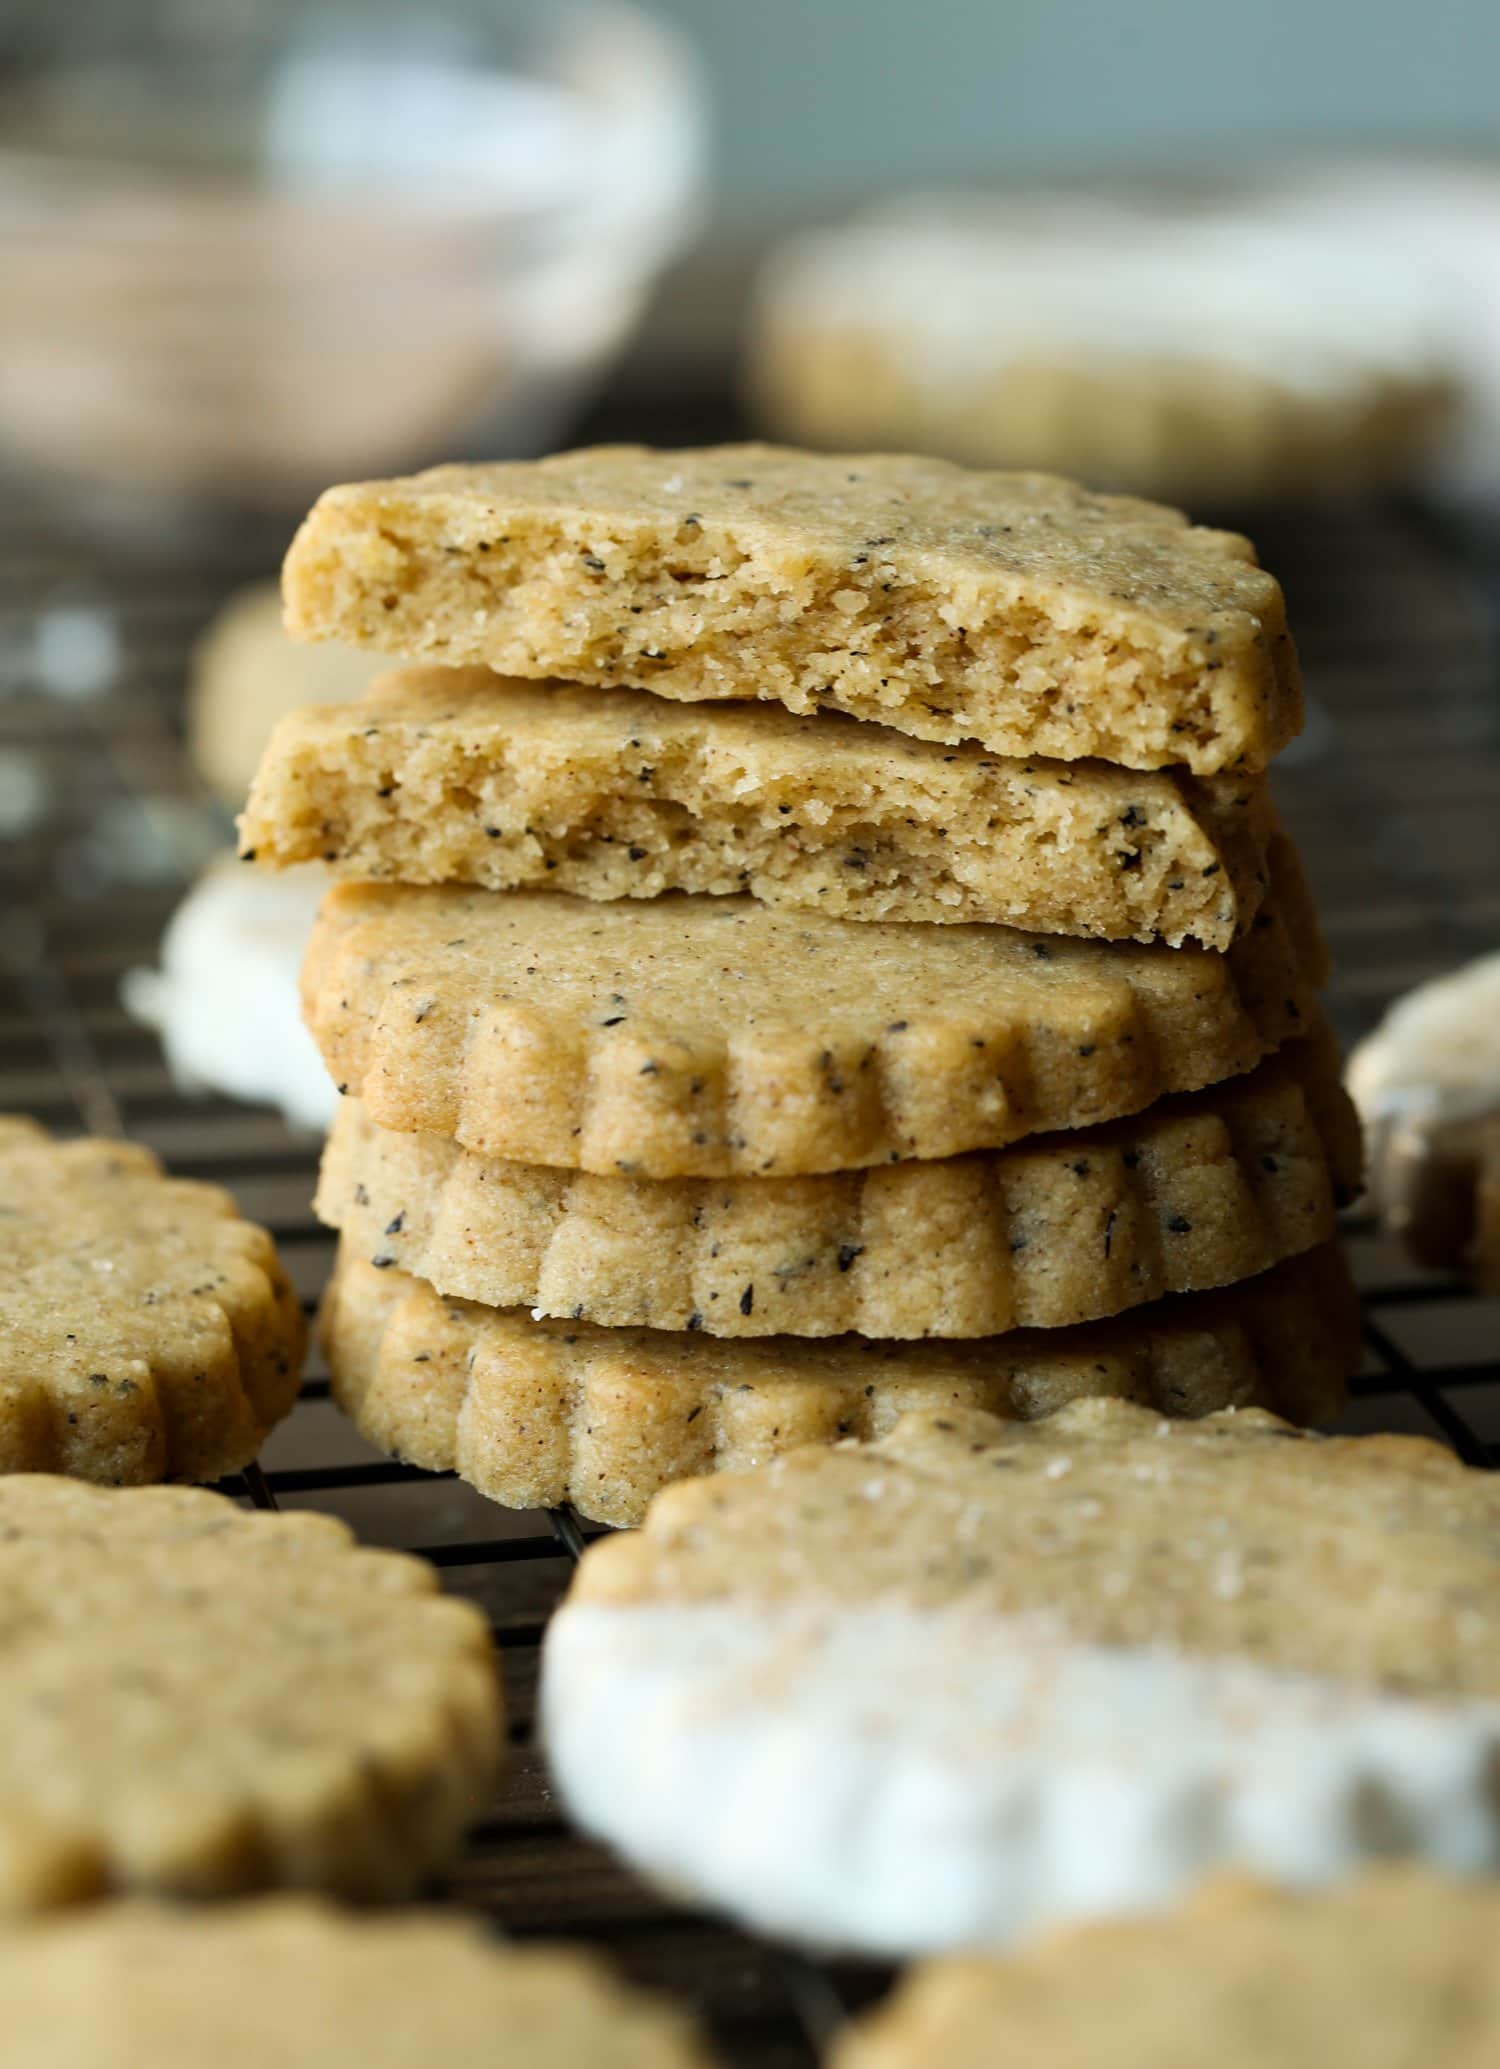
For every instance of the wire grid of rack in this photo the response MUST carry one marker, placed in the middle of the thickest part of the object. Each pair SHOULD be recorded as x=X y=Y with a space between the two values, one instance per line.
x=1394 y=795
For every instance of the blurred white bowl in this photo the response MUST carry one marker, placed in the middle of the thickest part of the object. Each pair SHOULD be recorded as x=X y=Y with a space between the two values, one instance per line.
x=239 y=269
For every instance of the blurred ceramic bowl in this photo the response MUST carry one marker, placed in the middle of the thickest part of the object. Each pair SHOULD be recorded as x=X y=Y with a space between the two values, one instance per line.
x=240 y=269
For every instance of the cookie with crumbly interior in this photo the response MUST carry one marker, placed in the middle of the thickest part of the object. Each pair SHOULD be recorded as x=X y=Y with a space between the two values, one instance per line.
x=146 y=1331
x=455 y=775
x=534 y=1413
x=1395 y=1968
x=979 y=1677
x=197 y=1699
x=1202 y=1190
x=289 y=1980
x=1018 y=610
x=695 y=1037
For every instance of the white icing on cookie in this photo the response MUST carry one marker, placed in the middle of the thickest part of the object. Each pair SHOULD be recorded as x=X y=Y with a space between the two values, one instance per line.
x=895 y=1782
x=225 y=998
x=968 y=285
x=1421 y=1081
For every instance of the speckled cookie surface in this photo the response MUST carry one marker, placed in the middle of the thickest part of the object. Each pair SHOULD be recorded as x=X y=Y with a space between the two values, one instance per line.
x=1394 y=1971
x=1018 y=610
x=687 y=1037
x=1199 y=1191
x=199 y=1699
x=941 y=1690
x=461 y=776
x=535 y=1413
x=146 y=1331
x=290 y=1981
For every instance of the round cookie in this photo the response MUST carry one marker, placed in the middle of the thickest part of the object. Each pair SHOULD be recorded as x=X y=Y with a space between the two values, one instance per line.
x=1203 y=1190
x=246 y=674
x=1397 y=1969
x=537 y=1413
x=455 y=775
x=1427 y=1084
x=146 y=1331
x=698 y=1036
x=940 y=1690
x=1018 y=610
x=225 y=998
x=290 y=1981
x=1211 y=354
x=198 y=1699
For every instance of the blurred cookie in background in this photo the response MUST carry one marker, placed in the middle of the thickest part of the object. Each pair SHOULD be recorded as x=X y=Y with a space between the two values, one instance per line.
x=1427 y=1085
x=1202 y=355
x=246 y=674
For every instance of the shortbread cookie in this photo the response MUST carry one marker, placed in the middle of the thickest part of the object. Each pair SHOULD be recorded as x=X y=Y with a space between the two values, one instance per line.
x=940 y=1690
x=1018 y=610
x=290 y=1981
x=1207 y=353
x=536 y=1413
x=225 y=998
x=694 y=1037
x=1202 y=1190
x=146 y=1331
x=246 y=674
x=1427 y=1083
x=1396 y=1968
x=459 y=776
x=196 y=1698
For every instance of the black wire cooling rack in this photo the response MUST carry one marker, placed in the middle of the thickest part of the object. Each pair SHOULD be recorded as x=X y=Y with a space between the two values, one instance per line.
x=1394 y=794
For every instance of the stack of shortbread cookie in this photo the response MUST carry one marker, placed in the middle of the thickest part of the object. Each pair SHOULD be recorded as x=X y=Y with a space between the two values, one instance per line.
x=822 y=946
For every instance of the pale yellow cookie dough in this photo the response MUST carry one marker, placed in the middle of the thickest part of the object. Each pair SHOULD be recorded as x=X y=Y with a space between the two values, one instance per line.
x=1018 y=610
x=460 y=776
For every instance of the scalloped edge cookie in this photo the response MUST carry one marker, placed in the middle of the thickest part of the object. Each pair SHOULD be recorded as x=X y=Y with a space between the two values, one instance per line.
x=695 y=1037
x=537 y=1413
x=1200 y=1191
x=1019 y=610
x=147 y=1331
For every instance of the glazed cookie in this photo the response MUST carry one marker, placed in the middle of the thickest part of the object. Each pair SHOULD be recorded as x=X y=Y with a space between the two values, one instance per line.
x=536 y=1413
x=1427 y=1083
x=246 y=674
x=940 y=1690
x=695 y=1037
x=146 y=1331
x=197 y=1699
x=1206 y=352
x=455 y=775
x=290 y=1981
x=225 y=998
x=1018 y=610
x=1201 y=1190
x=1396 y=1968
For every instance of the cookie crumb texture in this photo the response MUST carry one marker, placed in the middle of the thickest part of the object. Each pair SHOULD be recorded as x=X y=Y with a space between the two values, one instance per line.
x=147 y=1332
x=196 y=1699
x=534 y=1413
x=290 y=1981
x=695 y=1037
x=460 y=776
x=1396 y=1967
x=1018 y=610
x=1200 y=1191
x=939 y=1691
